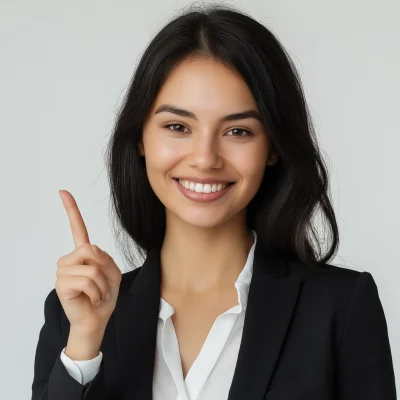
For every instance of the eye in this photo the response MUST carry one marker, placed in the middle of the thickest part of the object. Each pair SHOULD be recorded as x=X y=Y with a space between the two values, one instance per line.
x=174 y=124
x=248 y=133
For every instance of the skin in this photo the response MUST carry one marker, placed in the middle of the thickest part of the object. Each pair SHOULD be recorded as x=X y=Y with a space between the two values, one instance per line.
x=85 y=278
x=206 y=244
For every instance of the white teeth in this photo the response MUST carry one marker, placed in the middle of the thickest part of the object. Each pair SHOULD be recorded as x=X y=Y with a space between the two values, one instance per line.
x=200 y=188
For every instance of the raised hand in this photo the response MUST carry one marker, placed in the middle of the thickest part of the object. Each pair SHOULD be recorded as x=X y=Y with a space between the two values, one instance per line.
x=85 y=279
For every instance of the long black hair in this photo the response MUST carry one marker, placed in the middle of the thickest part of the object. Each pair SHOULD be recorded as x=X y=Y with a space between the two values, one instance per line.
x=292 y=190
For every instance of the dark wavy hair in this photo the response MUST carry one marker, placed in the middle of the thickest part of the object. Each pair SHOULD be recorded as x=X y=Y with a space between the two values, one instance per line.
x=291 y=191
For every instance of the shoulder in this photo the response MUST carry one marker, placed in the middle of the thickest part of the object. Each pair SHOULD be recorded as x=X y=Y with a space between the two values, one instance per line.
x=326 y=270
x=330 y=281
x=328 y=274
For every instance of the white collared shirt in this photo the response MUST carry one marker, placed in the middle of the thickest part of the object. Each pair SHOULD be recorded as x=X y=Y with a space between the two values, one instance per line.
x=211 y=374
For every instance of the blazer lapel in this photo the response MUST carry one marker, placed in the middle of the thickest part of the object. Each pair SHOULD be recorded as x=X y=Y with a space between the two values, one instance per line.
x=271 y=303
x=136 y=319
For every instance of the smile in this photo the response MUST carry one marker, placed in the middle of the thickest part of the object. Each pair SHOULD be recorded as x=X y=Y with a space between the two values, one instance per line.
x=203 y=193
x=203 y=188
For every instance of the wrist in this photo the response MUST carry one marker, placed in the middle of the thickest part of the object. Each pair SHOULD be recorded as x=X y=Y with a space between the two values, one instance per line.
x=82 y=345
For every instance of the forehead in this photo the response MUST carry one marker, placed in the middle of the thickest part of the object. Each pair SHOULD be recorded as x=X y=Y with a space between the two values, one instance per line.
x=207 y=87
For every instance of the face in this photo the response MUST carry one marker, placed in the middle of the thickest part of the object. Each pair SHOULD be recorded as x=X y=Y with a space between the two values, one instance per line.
x=204 y=144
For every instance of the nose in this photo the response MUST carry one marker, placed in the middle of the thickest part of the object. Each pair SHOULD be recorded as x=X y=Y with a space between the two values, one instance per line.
x=205 y=153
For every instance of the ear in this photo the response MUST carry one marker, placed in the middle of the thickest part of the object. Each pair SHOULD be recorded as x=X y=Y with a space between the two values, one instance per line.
x=273 y=158
x=140 y=148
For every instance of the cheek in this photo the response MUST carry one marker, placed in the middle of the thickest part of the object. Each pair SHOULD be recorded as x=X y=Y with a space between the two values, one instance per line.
x=161 y=155
x=251 y=163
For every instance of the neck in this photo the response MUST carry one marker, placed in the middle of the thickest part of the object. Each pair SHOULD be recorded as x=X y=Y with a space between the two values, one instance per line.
x=197 y=260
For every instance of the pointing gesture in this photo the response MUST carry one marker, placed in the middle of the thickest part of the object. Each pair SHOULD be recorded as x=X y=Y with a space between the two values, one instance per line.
x=88 y=279
x=78 y=227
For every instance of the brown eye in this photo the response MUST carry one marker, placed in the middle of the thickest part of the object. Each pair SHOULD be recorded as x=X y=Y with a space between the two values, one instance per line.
x=175 y=126
x=248 y=133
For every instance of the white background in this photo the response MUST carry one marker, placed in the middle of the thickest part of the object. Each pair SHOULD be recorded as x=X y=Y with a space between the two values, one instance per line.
x=64 y=68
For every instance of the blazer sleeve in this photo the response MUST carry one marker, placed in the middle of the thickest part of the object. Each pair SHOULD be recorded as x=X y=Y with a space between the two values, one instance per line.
x=51 y=379
x=365 y=367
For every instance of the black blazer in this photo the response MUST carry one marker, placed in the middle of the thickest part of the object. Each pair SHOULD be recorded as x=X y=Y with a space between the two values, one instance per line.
x=309 y=334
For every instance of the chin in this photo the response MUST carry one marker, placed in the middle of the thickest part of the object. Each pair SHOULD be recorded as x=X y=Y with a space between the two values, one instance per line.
x=201 y=218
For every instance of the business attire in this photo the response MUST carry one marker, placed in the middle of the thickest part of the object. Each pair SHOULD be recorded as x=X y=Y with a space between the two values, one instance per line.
x=211 y=374
x=298 y=333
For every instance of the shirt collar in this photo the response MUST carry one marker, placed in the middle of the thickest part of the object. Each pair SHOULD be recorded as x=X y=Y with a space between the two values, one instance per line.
x=242 y=284
x=243 y=281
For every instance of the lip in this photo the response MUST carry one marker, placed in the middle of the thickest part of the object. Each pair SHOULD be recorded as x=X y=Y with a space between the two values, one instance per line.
x=198 y=179
x=202 y=197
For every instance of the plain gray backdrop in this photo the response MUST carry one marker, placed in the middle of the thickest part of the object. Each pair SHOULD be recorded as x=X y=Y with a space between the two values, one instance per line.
x=64 y=68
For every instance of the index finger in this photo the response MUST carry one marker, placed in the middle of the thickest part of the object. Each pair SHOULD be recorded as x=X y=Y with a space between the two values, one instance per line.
x=78 y=227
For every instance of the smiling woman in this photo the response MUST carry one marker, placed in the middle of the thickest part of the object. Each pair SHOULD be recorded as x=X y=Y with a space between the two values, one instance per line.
x=215 y=176
x=206 y=147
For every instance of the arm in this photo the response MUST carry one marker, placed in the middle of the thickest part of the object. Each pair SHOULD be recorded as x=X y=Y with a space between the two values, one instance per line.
x=51 y=379
x=365 y=368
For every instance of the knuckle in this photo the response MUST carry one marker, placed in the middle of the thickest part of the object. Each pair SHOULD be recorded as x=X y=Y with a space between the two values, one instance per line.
x=117 y=274
x=60 y=262
x=87 y=282
x=96 y=249
x=106 y=256
x=86 y=248
x=58 y=285
x=61 y=270
x=80 y=255
x=94 y=271
x=80 y=260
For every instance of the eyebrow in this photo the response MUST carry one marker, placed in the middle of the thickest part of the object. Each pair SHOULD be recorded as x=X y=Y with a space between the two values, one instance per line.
x=231 y=117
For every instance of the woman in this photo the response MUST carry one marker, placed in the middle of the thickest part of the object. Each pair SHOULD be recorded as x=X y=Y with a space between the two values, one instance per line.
x=215 y=174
